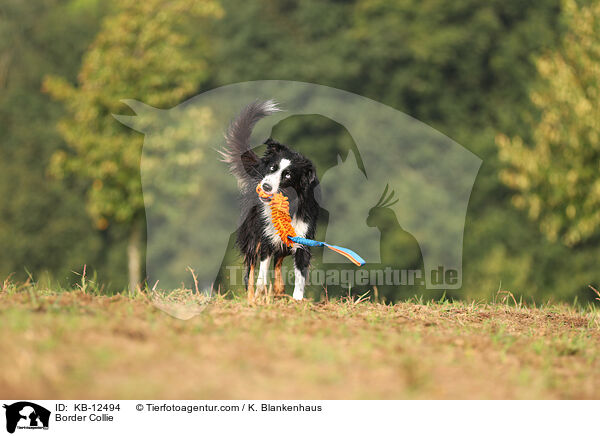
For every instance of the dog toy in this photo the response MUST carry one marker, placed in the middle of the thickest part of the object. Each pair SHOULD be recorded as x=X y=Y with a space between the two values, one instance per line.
x=282 y=221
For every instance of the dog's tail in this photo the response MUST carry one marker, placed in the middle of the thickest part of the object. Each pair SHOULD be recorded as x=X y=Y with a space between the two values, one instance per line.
x=237 y=152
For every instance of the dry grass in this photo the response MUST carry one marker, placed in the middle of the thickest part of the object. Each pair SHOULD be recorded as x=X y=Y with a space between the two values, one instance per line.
x=76 y=344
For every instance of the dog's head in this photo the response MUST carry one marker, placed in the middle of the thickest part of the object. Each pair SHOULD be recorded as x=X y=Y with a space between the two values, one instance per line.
x=284 y=170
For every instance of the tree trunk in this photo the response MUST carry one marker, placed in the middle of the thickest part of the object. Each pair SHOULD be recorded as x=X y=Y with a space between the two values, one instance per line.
x=134 y=257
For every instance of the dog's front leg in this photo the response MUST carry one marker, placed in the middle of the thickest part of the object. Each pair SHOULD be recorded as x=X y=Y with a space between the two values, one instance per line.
x=278 y=286
x=263 y=275
x=250 y=284
x=301 y=264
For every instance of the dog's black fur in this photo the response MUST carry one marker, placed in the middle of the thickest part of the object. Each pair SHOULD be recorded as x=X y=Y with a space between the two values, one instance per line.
x=298 y=181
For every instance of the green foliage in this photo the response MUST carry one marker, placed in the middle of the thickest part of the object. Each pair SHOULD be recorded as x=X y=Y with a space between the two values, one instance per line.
x=142 y=52
x=466 y=68
x=43 y=226
x=555 y=174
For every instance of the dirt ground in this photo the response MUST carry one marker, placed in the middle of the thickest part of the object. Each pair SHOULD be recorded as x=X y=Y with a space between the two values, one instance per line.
x=73 y=345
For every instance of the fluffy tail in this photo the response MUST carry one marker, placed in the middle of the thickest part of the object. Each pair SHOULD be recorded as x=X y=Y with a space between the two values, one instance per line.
x=237 y=152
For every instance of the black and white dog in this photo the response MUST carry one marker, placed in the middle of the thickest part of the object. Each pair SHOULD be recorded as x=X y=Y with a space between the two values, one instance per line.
x=280 y=169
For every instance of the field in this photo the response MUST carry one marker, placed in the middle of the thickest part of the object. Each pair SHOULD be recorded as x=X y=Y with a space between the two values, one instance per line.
x=79 y=344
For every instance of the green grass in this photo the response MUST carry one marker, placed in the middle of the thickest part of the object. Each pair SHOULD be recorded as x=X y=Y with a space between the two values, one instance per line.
x=79 y=343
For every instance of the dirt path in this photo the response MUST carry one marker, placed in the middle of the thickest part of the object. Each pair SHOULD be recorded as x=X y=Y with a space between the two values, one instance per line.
x=73 y=345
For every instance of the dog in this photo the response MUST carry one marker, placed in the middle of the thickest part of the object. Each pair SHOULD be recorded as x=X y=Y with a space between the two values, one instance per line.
x=282 y=170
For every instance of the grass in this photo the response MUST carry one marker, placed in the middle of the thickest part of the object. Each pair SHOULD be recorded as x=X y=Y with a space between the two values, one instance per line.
x=79 y=343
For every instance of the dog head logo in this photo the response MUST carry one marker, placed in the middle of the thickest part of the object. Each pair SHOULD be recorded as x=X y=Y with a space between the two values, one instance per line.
x=26 y=415
x=191 y=200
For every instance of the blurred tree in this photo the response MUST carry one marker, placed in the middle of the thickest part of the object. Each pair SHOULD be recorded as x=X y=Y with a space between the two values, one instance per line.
x=144 y=52
x=555 y=174
x=42 y=225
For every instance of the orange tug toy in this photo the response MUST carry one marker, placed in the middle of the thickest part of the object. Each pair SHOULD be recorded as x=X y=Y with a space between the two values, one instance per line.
x=282 y=221
x=280 y=214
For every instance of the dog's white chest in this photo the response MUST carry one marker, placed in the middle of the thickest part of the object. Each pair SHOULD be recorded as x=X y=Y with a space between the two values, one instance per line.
x=299 y=226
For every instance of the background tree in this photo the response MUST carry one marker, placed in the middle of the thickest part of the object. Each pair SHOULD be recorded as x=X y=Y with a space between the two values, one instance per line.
x=43 y=228
x=144 y=52
x=556 y=172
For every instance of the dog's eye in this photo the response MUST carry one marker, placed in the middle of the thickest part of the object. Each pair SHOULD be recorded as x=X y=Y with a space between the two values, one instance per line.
x=272 y=168
x=287 y=175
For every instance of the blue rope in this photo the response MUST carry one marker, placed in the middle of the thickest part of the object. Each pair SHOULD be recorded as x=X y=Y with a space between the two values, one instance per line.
x=354 y=257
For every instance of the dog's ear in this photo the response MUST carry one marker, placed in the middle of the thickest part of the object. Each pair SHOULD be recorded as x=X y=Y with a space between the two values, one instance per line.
x=309 y=182
x=273 y=146
x=309 y=176
x=312 y=174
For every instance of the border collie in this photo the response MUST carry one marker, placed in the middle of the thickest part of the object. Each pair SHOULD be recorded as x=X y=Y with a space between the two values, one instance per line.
x=280 y=169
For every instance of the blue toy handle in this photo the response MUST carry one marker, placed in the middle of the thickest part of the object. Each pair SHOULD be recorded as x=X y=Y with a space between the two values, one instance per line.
x=304 y=241
x=346 y=252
